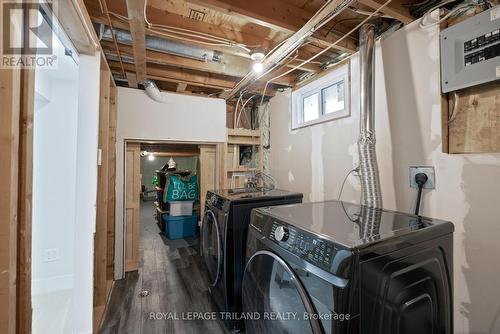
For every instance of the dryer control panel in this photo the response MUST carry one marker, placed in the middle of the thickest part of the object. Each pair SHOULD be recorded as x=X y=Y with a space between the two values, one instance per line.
x=307 y=246
x=320 y=252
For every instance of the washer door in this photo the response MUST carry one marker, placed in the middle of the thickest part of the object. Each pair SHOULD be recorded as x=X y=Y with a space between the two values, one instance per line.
x=273 y=291
x=211 y=246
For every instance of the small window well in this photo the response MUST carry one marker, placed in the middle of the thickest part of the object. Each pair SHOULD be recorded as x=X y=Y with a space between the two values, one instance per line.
x=323 y=100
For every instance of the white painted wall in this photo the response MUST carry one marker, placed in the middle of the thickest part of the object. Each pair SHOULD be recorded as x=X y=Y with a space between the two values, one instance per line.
x=64 y=193
x=183 y=118
x=54 y=174
x=315 y=160
x=86 y=192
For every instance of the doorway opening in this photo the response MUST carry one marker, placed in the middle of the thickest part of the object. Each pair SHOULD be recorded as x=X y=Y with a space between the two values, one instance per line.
x=165 y=184
x=163 y=211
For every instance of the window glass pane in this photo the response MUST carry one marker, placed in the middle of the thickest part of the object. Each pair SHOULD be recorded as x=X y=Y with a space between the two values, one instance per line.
x=333 y=98
x=311 y=108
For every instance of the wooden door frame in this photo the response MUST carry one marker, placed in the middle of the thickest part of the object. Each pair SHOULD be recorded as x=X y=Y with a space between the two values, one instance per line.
x=133 y=263
x=103 y=244
x=120 y=239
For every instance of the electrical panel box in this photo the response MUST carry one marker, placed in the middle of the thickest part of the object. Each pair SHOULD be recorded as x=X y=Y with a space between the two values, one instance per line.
x=470 y=51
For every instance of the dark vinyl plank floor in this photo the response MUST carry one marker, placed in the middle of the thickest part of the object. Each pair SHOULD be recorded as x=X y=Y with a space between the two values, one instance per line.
x=172 y=272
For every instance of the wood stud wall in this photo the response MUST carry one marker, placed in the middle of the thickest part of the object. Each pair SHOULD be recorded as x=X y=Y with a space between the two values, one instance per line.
x=111 y=185
x=104 y=236
x=24 y=309
x=10 y=83
x=475 y=127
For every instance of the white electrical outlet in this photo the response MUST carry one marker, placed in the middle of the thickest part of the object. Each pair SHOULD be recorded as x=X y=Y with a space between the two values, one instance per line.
x=429 y=171
x=50 y=255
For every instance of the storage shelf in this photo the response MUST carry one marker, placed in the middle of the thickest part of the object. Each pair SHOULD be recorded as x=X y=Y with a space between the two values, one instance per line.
x=242 y=170
x=244 y=142
x=235 y=174
x=243 y=133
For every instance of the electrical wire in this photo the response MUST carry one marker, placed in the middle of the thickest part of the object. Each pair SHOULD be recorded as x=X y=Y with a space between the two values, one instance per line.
x=182 y=33
x=242 y=110
x=159 y=32
x=321 y=52
x=104 y=10
x=364 y=12
x=457 y=11
x=333 y=44
x=345 y=180
x=455 y=107
x=236 y=109
x=275 y=48
x=263 y=176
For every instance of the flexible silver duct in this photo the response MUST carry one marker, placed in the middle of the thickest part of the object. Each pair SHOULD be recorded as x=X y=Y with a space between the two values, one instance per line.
x=152 y=91
x=166 y=46
x=371 y=195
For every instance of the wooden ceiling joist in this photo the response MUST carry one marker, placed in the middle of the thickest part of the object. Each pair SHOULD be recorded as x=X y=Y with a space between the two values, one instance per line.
x=400 y=13
x=231 y=65
x=172 y=74
x=181 y=87
x=236 y=36
x=325 y=13
x=131 y=78
x=135 y=9
x=277 y=15
x=156 y=16
x=234 y=28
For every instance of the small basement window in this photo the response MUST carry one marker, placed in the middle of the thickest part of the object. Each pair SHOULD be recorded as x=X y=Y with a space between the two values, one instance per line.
x=322 y=100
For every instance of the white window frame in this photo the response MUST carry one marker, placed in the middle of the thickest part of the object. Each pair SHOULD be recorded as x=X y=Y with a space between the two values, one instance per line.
x=341 y=73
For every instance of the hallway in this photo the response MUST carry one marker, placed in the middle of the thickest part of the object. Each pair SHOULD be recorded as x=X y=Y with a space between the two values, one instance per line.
x=172 y=273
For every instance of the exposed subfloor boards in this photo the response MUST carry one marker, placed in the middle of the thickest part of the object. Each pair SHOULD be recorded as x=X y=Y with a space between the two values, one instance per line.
x=171 y=271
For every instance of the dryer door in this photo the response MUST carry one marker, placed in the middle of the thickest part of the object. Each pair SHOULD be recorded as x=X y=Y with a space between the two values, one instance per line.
x=211 y=246
x=275 y=298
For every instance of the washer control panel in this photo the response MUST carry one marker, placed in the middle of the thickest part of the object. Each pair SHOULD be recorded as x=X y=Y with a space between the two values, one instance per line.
x=305 y=245
x=217 y=202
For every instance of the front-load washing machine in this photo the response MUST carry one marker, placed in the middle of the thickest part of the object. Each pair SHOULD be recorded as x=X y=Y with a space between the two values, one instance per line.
x=223 y=243
x=334 y=267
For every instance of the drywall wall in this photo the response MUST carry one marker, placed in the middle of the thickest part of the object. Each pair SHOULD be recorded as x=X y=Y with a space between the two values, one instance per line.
x=316 y=159
x=86 y=192
x=64 y=194
x=54 y=195
x=182 y=118
x=54 y=175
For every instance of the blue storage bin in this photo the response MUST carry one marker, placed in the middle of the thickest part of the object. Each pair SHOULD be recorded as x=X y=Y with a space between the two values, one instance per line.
x=178 y=227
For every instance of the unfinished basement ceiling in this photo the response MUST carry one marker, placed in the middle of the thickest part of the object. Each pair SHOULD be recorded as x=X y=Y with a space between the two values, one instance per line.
x=226 y=31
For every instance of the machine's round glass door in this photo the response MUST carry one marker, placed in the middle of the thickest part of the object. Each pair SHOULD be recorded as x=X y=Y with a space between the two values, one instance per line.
x=274 y=295
x=211 y=246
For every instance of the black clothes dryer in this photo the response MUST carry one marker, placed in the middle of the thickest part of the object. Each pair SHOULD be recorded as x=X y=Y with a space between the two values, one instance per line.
x=334 y=267
x=223 y=243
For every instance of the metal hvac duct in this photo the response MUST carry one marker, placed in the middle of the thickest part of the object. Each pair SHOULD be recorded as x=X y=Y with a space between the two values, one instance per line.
x=371 y=195
x=166 y=46
x=152 y=91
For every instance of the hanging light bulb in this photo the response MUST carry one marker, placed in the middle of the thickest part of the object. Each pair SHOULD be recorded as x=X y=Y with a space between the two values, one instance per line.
x=151 y=157
x=257 y=56
x=257 y=67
